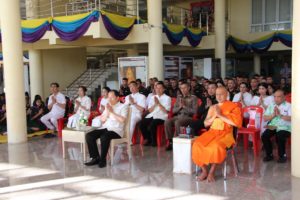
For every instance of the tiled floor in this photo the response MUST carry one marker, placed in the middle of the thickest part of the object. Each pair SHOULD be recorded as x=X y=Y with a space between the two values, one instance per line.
x=36 y=170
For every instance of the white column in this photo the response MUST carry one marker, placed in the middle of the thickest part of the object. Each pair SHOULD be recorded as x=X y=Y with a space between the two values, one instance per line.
x=257 y=65
x=296 y=95
x=18 y=155
x=155 y=47
x=36 y=73
x=32 y=9
x=220 y=39
x=13 y=70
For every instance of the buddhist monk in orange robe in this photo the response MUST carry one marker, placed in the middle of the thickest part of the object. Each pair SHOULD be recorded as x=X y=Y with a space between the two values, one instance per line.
x=210 y=147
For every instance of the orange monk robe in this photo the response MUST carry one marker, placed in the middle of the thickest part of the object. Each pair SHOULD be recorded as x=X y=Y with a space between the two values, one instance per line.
x=210 y=147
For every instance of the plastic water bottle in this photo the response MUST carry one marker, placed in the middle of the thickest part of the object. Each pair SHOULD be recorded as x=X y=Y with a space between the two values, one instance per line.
x=188 y=131
x=257 y=121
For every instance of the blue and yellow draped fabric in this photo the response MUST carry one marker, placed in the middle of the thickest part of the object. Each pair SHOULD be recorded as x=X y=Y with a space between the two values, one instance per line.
x=194 y=36
x=117 y=26
x=262 y=44
x=175 y=34
x=33 y=30
x=70 y=28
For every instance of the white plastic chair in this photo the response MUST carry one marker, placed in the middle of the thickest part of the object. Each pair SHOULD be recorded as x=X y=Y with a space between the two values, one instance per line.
x=125 y=139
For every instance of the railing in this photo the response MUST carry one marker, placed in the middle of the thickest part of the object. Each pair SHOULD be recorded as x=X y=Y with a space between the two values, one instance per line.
x=87 y=84
x=274 y=26
x=61 y=8
x=182 y=16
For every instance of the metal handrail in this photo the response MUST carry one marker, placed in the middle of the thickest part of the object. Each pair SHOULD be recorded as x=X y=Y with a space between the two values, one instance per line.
x=111 y=51
x=77 y=79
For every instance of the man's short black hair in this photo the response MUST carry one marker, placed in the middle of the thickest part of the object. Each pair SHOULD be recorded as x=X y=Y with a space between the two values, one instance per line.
x=125 y=79
x=244 y=83
x=133 y=82
x=138 y=80
x=212 y=83
x=160 y=83
x=116 y=93
x=185 y=83
x=54 y=84
x=106 y=88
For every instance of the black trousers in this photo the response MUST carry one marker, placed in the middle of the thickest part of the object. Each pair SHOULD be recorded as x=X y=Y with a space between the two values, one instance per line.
x=281 y=137
x=148 y=128
x=197 y=126
x=105 y=137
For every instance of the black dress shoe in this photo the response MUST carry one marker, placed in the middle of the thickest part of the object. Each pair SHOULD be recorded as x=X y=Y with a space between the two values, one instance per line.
x=94 y=161
x=102 y=164
x=49 y=135
x=147 y=144
x=282 y=159
x=268 y=158
x=169 y=147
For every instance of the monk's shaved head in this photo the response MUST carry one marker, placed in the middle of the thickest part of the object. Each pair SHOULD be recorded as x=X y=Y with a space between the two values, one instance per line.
x=221 y=94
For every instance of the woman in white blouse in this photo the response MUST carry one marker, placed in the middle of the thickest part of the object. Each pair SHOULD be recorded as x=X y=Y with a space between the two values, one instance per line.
x=263 y=100
x=82 y=107
x=244 y=97
x=96 y=122
x=104 y=99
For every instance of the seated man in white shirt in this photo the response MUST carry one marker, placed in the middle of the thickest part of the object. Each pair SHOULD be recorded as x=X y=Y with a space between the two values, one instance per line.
x=113 y=125
x=159 y=106
x=82 y=107
x=56 y=105
x=137 y=103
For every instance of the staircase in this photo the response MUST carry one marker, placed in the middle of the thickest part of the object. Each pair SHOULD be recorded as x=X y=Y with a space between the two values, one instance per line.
x=91 y=79
x=101 y=68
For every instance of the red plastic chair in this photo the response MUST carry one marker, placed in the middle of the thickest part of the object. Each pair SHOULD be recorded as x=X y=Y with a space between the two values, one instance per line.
x=251 y=129
x=60 y=126
x=95 y=113
x=137 y=135
x=122 y=99
x=160 y=130
x=288 y=98
x=195 y=116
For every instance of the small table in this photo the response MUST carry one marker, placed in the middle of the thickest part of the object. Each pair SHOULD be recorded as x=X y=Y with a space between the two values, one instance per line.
x=182 y=155
x=77 y=136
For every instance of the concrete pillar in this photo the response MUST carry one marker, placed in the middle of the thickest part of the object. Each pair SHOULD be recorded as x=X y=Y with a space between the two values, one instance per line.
x=32 y=9
x=18 y=156
x=257 y=64
x=35 y=73
x=155 y=47
x=220 y=32
x=13 y=70
x=295 y=95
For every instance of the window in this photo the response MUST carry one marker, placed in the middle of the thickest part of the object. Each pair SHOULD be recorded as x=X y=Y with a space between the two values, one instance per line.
x=271 y=15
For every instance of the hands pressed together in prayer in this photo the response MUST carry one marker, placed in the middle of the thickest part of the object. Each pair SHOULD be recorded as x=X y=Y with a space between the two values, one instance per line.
x=53 y=99
x=182 y=103
x=156 y=101
x=131 y=100
x=109 y=109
